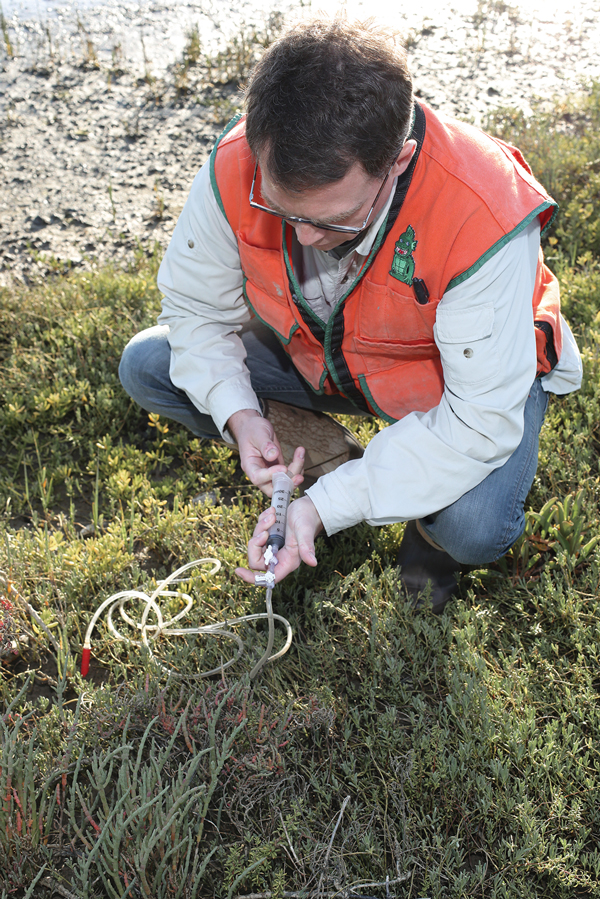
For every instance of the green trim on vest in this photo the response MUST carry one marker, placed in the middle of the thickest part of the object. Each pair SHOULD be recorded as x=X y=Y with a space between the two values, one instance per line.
x=365 y=389
x=500 y=244
x=284 y=340
x=294 y=282
x=322 y=380
x=550 y=221
x=328 y=327
x=213 y=177
x=330 y=324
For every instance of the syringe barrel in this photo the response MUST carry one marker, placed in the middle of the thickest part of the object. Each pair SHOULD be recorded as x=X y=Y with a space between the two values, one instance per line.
x=283 y=487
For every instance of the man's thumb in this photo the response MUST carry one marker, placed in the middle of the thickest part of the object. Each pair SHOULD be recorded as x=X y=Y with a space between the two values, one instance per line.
x=270 y=452
x=306 y=550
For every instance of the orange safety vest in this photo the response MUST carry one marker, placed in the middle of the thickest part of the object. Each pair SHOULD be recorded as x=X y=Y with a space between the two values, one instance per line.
x=463 y=197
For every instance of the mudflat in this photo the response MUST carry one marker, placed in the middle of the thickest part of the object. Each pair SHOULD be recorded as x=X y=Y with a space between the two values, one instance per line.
x=97 y=153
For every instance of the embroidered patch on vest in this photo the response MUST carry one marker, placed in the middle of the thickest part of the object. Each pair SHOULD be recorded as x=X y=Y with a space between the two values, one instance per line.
x=403 y=264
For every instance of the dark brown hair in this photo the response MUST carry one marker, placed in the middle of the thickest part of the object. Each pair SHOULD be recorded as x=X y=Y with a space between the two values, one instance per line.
x=327 y=94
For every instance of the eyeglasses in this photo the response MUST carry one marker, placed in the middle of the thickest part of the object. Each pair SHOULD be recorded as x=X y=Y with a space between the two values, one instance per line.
x=295 y=220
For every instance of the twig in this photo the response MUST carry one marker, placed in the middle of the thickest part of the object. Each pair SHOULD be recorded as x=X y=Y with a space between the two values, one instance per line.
x=382 y=883
x=54 y=885
x=297 y=894
x=11 y=589
x=296 y=859
x=315 y=894
x=34 y=615
x=39 y=621
x=328 y=853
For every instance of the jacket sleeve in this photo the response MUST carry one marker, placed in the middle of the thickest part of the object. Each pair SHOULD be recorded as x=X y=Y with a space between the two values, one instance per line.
x=201 y=280
x=427 y=460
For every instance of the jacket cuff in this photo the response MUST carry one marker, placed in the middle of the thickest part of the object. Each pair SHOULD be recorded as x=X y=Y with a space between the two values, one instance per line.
x=227 y=398
x=341 y=497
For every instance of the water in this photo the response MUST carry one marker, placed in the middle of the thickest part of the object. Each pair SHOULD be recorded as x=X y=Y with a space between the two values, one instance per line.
x=67 y=155
x=133 y=30
x=540 y=47
x=155 y=30
x=386 y=10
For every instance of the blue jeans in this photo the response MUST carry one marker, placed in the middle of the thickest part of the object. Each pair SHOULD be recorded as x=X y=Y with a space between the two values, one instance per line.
x=478 y=528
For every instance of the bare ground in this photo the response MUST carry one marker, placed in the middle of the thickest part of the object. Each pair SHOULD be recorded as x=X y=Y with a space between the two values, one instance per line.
x=97 y=156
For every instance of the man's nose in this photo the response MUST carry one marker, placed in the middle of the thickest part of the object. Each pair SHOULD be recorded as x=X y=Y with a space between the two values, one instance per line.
x=308 y=235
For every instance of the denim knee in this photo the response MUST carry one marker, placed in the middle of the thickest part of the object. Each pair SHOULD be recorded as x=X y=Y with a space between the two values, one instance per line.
x=146 y=357
x=475 y=540
x=484 y=523
x=127 y=369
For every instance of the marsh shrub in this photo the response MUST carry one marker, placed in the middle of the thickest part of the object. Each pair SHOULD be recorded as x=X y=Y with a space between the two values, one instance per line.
x=455 y=755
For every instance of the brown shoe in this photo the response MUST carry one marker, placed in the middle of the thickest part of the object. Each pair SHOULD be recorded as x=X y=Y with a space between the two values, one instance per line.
x=328 y=444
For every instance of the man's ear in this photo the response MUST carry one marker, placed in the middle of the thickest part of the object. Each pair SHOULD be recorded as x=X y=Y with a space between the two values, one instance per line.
x=403 y=161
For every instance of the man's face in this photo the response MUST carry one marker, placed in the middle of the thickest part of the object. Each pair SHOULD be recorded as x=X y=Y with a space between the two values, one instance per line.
x=344 y=202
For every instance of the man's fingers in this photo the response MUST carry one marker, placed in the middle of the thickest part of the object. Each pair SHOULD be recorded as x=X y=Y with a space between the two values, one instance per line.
x=258 y=541
x=245 y=574
x=256 y=546
x=307 y=554
x=265 y=520
x=296 y=466
x=260 y=452
x=266 y=517
x=306 y=550
x=303 y=524
x=263 y=477
x=272 y=453
x=269 y=446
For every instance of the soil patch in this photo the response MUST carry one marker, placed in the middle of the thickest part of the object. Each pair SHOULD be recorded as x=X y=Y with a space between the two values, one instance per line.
x=96 y=158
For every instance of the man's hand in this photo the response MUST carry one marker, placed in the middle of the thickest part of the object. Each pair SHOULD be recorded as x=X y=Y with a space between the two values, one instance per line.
x=303 y=525
x=260 y=453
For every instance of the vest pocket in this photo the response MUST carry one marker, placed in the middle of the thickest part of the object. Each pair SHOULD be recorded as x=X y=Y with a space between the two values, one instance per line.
x=395 y=350
x=380 y=355
x=467 y=348
x=414 y=386
x=393 y=314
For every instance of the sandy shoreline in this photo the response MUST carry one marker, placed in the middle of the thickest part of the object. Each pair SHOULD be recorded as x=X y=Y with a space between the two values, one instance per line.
x=96 y=162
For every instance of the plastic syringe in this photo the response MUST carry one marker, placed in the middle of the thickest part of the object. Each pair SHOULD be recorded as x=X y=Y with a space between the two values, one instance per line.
x=283 y=487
